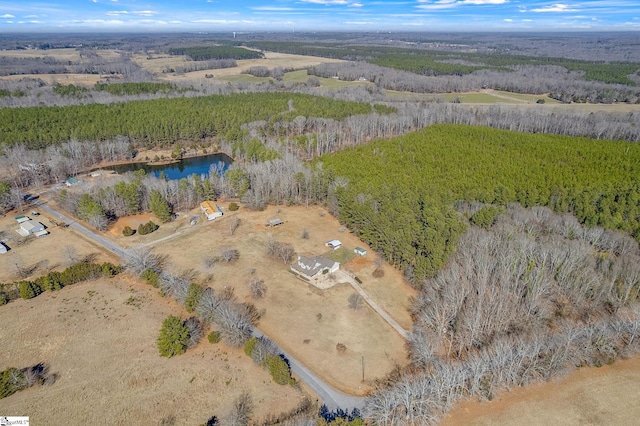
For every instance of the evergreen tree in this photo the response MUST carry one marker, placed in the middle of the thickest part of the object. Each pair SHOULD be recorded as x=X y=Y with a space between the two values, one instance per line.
x=173 y=337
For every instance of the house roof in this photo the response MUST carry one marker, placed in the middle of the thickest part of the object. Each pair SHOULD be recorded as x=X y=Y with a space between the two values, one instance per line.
x=334 y=243
x=32 y=226
x=311 y=266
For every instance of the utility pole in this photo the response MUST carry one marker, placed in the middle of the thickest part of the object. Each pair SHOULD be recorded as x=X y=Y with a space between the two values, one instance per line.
x=363 y=369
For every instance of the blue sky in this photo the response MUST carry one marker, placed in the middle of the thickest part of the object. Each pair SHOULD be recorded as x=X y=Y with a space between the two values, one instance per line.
x=319 y=15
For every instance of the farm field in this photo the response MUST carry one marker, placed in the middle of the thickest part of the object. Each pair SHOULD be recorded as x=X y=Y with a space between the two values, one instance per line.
x=304 y=320
x=594 y=396
x=85 y=331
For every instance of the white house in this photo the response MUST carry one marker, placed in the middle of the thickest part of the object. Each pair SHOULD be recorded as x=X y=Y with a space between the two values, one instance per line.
x=334 y=244
x=30 y=227
x=210 y=209
x=360 y=251
x=313 y=267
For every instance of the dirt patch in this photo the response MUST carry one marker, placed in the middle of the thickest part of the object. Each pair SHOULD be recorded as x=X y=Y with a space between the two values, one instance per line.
x=85 y=331
x=589 y=396
x=132 y=221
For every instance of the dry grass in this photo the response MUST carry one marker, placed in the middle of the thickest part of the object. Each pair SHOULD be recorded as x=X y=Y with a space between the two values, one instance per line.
x=271 y=60
x=590 y=396
x=292 y=306
x=99 y=337
x=87 y=80
x=42 y=255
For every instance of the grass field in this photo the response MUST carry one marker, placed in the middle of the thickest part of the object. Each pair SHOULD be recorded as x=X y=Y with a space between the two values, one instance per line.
x=100 y=339
x=306 y=321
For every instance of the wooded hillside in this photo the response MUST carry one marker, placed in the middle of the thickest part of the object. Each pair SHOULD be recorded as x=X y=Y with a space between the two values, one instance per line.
x=401 y=191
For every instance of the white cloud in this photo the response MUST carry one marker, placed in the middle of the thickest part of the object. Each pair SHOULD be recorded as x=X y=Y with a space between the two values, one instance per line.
x=272 y=8
x=358 y=23
x=135 y=12
x=485 y=1
x=554 y=8
x=508 y=20
x=30 y=16
x=7 y=16
x=326 y=2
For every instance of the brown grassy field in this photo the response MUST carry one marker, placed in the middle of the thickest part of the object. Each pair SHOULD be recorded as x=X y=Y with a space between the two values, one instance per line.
x=41 y=255
x=306 y=321
x=100 y=338
x=271 y=60
x=589 y=396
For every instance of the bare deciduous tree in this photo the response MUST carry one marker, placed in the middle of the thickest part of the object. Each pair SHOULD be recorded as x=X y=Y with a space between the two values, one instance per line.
x=355 y=301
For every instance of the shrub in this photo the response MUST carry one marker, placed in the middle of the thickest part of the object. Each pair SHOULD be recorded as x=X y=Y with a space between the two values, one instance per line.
x=355 y=301
x=173 y=337
x=11 y=381
x=279 y=370
x=151 y=277
x=127 y=231
x=233 y=207
x=147 y=228
x=341 y=348
x=29 y=289
x=194 y=292
x=248 y=347
x=213 y=337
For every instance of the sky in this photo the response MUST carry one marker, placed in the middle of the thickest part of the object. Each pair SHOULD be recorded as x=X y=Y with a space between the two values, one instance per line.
x=318 y=15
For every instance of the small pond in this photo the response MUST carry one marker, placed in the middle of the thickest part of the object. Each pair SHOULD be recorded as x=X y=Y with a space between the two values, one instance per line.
x=185 y=168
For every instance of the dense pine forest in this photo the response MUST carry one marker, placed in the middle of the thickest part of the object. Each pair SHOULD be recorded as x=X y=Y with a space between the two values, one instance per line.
x=162 y=120
x=401 y=192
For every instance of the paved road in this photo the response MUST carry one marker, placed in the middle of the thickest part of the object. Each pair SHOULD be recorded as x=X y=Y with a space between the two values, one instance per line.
x=109 y=245
x=343 y=275
x=332 y=398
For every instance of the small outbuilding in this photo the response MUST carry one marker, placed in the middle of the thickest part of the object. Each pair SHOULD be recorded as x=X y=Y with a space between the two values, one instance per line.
x=210 y=209
x=22 y=218
x=42 y=233
x=276 y=221
x=334 y=244
x=3 y=248
x=71 y=181
x=360 y=251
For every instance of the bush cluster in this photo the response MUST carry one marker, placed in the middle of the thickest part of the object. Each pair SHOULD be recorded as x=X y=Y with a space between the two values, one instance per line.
x=147 y=228
x=265 y=353
x=55 y=280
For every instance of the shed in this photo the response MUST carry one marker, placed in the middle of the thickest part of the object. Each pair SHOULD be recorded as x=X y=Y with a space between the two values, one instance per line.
x=276 y=221
x=22 y=218
x=360 y=251
x=71 y=181
x=42 y=233
x=3 y=248
x=334 y=244
x=31 y=227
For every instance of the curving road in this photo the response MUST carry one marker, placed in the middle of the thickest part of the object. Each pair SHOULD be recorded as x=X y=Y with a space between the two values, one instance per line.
x=332 y=398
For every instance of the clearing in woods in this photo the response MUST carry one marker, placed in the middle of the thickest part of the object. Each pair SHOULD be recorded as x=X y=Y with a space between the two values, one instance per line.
x=304 y=320
x=85 y=331
x=606 y=395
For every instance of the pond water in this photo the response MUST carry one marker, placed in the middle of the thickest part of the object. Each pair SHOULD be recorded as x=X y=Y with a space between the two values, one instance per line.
x=185 y=168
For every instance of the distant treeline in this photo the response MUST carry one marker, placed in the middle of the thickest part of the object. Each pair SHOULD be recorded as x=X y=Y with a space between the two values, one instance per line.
x=163 y=120
x=401 y=191
x=437 y=62
x=205 y=53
